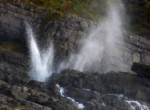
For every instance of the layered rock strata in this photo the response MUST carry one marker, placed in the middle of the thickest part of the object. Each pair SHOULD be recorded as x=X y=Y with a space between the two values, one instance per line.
x=66 y=33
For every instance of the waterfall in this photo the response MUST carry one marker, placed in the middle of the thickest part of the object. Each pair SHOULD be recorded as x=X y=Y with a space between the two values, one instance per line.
x=41 y=62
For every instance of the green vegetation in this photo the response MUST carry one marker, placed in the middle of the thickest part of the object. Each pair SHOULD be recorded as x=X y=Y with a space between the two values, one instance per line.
x=139 y=18
x=1 y=1
x=95 y=10
x=14 y=104
x=89 y=9
x=17 y=105
x=50 y=15
x=13 y=46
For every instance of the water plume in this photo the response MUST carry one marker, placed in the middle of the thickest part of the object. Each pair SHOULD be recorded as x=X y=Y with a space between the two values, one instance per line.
x=100 y=49
x=41 y=62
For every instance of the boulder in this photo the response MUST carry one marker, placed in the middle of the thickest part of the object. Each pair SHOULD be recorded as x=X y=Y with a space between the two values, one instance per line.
x=142 y=70
x=18 y=93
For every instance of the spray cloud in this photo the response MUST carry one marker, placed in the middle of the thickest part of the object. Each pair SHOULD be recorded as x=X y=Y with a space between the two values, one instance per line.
x=100 y=50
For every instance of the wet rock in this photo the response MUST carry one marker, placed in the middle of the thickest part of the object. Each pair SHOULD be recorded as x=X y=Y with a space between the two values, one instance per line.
x=29 y=94
x=104 y=91
x=56 y=91
x=18 y=93
x=95 y=91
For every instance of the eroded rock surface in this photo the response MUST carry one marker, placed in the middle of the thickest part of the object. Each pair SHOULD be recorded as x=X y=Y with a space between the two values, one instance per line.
x=13 y=17
x=96 y=91
x=13 y=63
x=70 y=89
x=111 y=91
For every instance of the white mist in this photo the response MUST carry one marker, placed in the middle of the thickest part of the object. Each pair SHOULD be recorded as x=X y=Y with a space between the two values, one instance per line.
x=100 y=49
x=41 y=62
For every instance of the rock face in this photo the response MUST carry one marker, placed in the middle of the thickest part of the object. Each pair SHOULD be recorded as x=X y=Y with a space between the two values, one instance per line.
x=69 y=90
x=95 y=91
x=25 y=94
x=66 y=34
x=13 y=63
x=13 y=17
x=111 y=91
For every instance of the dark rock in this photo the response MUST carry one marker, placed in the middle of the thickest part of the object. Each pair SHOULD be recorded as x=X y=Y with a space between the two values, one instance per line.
x=13 y=63
x=19 y=93
x=103 y=91
x=141 y=70
x=148 y=16
x=13 y=15
x=96 y=91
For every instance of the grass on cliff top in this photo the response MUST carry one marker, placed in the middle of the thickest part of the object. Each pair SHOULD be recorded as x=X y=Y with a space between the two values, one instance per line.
x=84 y=8
x=89 y=9
x=95 y=10
x=139 y=18
x=18 y=105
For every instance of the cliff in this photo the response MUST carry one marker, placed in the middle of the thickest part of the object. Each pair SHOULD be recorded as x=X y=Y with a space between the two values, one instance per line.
x=66 y=33
x=71 y=89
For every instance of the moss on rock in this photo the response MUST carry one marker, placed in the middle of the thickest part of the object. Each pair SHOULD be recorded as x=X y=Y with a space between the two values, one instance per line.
x=15 y=104
x=12 y=46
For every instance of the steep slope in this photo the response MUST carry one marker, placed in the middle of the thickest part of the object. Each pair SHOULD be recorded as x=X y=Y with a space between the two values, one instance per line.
x=70 y=89
x=65 y=32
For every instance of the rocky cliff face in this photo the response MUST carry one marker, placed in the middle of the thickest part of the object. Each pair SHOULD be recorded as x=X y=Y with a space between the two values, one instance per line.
x=14 y=14
x=70 y=90
x=101 y=91
x=66 y=33
x=13 y=63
